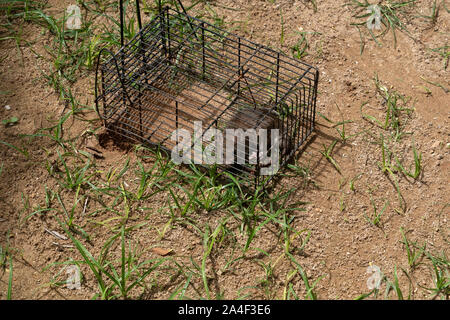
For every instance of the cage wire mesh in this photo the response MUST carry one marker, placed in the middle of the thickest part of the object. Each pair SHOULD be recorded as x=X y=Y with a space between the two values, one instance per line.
x=180 y=72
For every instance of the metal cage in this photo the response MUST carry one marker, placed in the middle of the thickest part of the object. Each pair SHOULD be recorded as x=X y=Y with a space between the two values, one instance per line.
x=180 y=72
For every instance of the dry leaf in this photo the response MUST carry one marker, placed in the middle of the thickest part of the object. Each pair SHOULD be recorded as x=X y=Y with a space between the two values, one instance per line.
x=63 y=245
x=162 y=252
x=56 y=234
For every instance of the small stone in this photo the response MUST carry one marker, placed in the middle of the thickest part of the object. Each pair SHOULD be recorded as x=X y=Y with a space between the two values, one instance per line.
x=8 y=107
x=93 y=147
x=435 y=144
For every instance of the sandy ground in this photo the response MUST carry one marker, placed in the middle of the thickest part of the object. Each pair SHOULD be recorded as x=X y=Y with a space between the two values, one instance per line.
x=342 y=242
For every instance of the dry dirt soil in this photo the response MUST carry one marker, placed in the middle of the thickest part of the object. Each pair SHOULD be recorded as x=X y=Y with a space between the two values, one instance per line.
x=342 y=242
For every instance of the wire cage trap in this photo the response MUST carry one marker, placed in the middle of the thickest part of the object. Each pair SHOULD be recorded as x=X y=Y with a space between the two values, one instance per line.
x=181 y=75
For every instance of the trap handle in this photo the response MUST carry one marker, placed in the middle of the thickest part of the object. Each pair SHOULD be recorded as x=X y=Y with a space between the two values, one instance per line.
x=139 y=19
x=122 y=20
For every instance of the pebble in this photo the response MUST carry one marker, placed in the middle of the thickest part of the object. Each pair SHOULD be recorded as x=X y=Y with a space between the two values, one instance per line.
x=7 y=107
x=435 y=144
